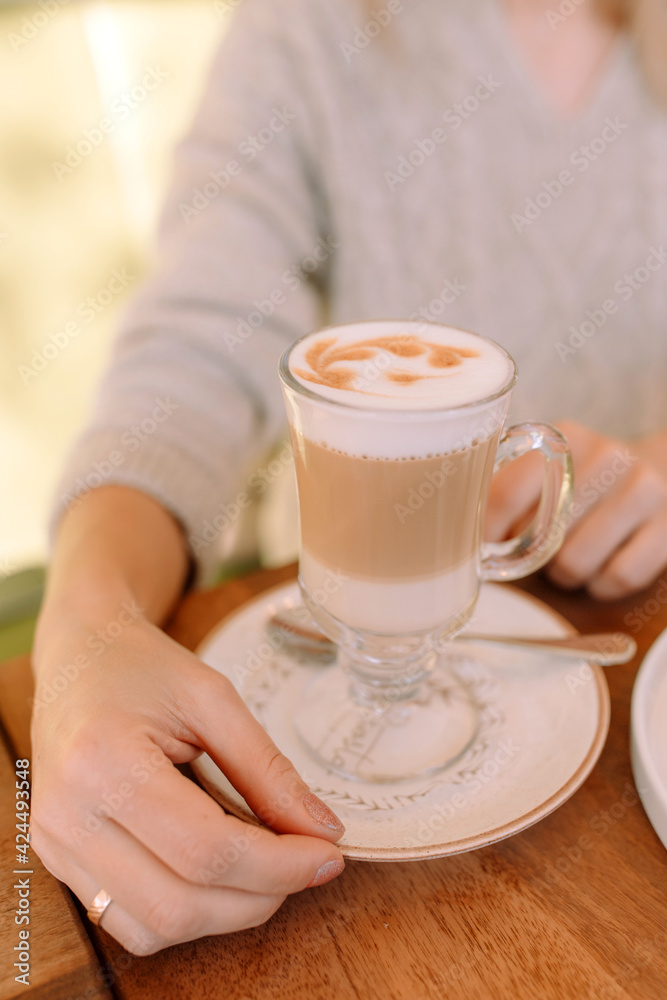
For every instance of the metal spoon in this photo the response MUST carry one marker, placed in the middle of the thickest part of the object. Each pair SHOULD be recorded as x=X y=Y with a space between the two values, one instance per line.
x=299 y=632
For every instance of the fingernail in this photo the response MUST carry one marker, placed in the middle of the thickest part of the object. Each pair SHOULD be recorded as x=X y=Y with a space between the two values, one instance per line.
x=328 y=871
x=321 y=813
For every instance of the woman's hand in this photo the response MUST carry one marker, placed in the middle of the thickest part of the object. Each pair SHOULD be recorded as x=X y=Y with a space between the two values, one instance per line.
x=110 y=810
x=616 y=541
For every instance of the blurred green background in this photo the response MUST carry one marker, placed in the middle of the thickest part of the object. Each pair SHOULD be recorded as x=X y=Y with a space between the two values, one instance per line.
x=69 y=221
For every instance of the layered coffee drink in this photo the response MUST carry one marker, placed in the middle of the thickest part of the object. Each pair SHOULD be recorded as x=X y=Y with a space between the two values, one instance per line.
x=395 y=438
x=397 y=427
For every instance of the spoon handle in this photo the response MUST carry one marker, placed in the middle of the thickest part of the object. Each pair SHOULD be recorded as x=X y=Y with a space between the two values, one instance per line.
x=603 y=648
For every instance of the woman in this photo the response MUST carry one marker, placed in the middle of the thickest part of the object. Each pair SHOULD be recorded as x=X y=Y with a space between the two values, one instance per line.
x=498 y=166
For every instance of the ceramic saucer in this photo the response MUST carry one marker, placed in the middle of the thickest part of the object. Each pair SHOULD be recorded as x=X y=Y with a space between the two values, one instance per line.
x=543 y=723
x=648 y=735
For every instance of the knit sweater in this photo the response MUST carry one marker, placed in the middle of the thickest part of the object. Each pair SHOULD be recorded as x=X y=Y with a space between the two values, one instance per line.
x=346 y=166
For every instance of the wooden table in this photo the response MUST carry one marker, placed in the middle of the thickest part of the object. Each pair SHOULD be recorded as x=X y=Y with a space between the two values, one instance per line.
x=575 y=907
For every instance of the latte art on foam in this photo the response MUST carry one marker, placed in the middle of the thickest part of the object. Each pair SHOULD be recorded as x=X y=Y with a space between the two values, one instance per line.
x=326 y=361
x=402 y=365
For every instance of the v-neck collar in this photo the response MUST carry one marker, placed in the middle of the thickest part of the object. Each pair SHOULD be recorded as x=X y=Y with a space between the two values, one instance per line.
x=597 y=100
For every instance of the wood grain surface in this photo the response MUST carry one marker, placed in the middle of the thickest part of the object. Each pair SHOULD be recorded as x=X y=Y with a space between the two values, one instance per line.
x=62 y=961
x=574 y=908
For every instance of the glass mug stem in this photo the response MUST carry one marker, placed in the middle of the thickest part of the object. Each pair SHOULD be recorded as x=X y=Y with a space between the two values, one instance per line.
x=382 y=670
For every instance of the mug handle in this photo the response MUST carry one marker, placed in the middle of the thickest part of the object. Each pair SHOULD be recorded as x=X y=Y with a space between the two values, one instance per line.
x=524 y=554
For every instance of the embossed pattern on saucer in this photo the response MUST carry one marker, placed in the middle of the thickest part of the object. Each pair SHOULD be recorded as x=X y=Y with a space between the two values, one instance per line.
x=543 y=726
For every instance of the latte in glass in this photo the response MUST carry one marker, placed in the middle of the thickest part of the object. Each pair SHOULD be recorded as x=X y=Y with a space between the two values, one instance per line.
x=395 y=437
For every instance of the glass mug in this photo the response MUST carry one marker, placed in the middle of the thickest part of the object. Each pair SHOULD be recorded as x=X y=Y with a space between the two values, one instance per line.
x=396 y=429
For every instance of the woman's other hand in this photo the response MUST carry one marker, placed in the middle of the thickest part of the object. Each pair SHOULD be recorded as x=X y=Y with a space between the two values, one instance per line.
x=616 y=540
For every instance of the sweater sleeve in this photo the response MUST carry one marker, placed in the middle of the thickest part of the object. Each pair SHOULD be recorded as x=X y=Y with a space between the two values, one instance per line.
x=192 y=394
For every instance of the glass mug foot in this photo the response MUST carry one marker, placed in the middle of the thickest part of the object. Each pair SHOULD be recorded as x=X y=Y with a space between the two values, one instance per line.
x=391 y=733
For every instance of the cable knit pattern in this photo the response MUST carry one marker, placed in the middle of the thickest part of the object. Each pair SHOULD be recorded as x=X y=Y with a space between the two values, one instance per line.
x=331 y=175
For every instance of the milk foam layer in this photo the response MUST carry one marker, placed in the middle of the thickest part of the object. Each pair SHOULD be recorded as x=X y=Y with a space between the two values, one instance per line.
x=413 y=419
x=400 y=365
x=395 y=607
